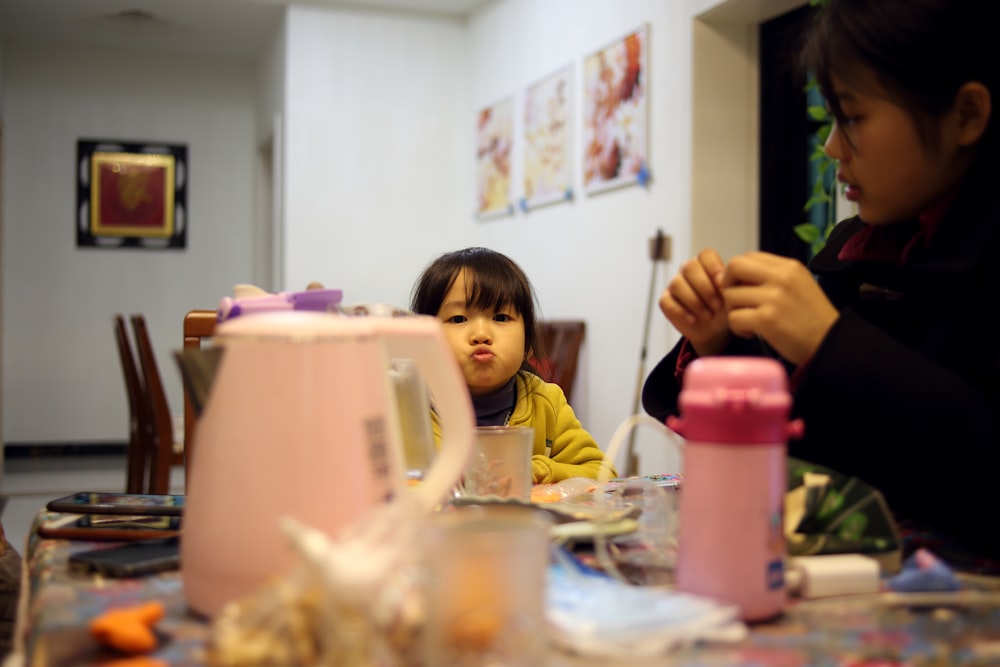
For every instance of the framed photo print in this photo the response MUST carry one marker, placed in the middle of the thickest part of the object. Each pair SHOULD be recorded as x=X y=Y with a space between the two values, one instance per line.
x=616 y=118
x=131 y=195
x=547 y=140
x=494 y=137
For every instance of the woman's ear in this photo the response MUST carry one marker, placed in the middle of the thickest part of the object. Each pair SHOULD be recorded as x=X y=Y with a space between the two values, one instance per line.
x=973 y=108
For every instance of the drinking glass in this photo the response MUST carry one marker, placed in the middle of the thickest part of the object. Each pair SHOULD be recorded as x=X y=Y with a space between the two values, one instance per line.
x=500 y=464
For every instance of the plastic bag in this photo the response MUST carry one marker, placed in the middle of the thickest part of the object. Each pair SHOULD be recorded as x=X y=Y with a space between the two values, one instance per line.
x=592 y=614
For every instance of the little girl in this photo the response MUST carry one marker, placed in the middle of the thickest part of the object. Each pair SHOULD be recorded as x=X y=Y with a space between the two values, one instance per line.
x=487 y=307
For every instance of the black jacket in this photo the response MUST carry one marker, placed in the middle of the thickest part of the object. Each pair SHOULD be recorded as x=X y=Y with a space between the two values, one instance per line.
x=904 y=391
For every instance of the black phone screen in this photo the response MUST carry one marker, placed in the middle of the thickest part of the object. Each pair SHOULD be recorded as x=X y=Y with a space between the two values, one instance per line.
x=130 y=560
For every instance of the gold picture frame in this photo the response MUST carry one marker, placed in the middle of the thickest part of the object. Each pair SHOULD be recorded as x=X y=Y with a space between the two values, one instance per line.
x=131 y=195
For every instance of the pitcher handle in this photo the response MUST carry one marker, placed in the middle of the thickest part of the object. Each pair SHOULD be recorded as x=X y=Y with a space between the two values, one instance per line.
x=421 y=338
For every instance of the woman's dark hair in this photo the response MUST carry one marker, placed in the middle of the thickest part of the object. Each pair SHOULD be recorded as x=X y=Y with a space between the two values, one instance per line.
x=920 y=53
x=494 y=281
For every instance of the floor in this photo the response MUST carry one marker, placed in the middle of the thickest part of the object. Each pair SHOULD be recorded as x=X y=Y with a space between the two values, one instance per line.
x=29 y=483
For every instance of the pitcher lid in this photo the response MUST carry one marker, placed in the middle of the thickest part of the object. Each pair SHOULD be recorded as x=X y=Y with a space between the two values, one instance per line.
x=314 y=325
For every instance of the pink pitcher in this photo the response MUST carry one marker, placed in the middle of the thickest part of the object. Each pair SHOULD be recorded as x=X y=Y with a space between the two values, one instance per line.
x=301 y=421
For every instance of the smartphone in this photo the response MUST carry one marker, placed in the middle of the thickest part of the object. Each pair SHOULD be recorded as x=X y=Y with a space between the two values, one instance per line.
x=136 y=504
x=134 y=559
x=118 y=527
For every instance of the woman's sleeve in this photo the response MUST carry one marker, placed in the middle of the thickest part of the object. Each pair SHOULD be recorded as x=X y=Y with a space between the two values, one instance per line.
x=925 y=437
x=662 y=387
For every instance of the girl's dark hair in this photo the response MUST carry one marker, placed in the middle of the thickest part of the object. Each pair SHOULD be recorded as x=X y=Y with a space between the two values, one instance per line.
x=494 y=281
x=919 y=51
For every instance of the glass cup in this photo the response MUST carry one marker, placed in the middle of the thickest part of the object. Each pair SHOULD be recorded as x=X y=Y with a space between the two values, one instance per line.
x=486 y=580
x=500 y=464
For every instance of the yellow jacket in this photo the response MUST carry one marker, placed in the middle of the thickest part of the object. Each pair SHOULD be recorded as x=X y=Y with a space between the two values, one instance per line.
x=563 y=448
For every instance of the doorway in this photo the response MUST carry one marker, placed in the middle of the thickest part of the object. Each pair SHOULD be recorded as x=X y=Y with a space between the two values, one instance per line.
x=785 y=135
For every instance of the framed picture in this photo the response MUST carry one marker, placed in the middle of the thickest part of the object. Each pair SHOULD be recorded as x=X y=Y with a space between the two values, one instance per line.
x=616 y=118
x=547 y=139
x=494 y=134
x=131 y=195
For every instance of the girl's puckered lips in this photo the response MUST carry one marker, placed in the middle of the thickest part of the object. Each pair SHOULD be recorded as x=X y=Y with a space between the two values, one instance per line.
x=482 y=353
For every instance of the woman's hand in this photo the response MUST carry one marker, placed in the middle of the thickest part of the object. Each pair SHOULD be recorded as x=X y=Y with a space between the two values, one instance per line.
x=693 y=303
x=777 y=299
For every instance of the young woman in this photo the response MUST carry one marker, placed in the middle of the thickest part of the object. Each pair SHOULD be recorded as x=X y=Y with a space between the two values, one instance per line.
x=487 y=307
x=894 y=365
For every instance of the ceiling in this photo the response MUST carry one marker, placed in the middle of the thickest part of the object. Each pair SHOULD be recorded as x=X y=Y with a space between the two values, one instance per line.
x=234 y=28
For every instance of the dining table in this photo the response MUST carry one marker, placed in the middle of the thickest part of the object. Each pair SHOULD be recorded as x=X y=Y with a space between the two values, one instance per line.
x=882 y=629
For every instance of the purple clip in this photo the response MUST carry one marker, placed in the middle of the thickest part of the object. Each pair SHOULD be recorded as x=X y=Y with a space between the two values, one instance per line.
x=323 y=300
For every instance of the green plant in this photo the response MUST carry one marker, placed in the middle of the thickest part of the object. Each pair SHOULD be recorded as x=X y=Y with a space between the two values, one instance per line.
x=820 y=206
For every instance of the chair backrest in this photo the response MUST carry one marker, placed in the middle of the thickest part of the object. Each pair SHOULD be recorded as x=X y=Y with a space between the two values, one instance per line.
x=156 y=400
x=198 y=325
x=561 y=341
x=140 y=426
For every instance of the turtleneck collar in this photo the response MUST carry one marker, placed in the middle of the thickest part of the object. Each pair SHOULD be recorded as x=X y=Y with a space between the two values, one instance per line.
x=895 y=242
x=495 y=409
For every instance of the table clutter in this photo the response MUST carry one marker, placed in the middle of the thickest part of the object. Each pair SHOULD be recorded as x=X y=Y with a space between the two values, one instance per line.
x=592 y=618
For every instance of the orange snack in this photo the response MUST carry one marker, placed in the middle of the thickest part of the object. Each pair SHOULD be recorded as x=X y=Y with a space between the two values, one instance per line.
x=545 y=493
x=128 y=629
x=136 y=661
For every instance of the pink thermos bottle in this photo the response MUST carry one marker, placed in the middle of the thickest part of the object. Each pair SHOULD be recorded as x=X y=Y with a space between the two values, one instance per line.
x=734 y=417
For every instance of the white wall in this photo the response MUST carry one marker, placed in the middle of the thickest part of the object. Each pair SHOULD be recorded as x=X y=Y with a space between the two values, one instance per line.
x=268 y=246
x=270 y=87
x=61 y=376
x=376 y=159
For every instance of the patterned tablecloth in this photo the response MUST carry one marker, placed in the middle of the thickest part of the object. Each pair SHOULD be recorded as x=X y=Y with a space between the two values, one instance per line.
x=882 y=630
x=58 y=604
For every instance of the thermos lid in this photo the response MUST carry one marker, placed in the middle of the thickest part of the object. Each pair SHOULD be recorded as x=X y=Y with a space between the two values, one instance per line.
x=704 y=378
x=739 y=400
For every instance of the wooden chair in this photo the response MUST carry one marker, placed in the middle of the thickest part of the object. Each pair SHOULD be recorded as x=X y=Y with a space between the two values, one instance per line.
x=198 y=325
x=140 y=443
x=560 y=341
x=161 y=423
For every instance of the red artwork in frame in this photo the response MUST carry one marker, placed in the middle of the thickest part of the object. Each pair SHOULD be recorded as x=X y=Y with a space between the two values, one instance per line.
x=131 y=195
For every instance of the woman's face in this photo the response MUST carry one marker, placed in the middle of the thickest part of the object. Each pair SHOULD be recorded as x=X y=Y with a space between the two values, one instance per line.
x=885 y=167
x=489 y=345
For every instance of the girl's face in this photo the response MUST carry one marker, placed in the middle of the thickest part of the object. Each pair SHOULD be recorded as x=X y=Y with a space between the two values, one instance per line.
x=489 y=345
x=886 y=169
